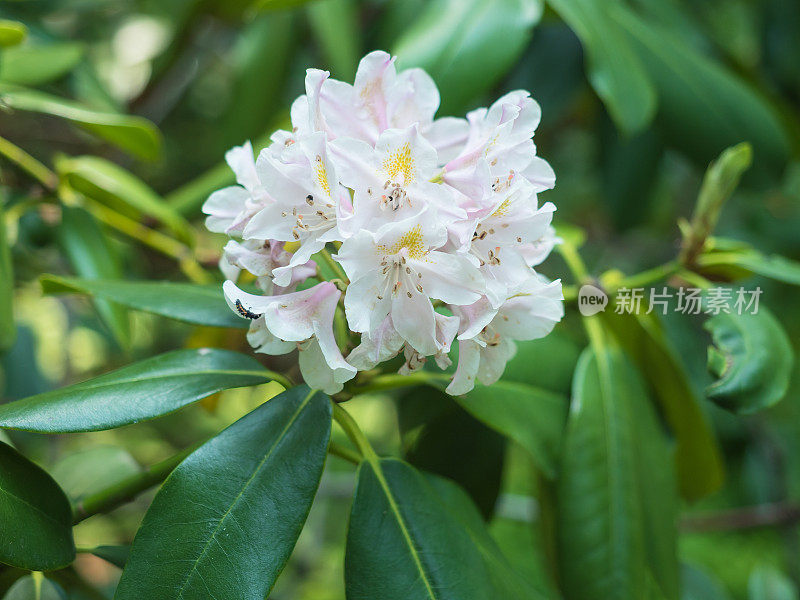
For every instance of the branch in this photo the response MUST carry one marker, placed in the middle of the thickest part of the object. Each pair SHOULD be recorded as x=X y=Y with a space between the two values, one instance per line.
x=751 y=517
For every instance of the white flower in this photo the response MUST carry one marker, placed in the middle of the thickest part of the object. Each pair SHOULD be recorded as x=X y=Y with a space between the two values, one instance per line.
x=486 y=340
x=304 y=319
x=397 y=271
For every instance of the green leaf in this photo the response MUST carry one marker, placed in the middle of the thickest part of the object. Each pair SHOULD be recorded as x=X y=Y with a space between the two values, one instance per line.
x=91 y=470
x=768 y=583
x=35 y=587
x=11 y=33
x=698 y=457
x=443 y=438
x=39 y=64
x=268 y=5
x=337 y=29
x=697 y=585
x=134 y=134
x=150 y=388
x=403 y=541
x=116 y=555
x=8 y=330
x=115 y=187
x=747 y=262
x=616 y=504
x=703 y=108
x=752 y=359
x=467 y=45
x=93 y=257
x=615 y=70
x=226 y=519
x=35 y=516
x=187 y=302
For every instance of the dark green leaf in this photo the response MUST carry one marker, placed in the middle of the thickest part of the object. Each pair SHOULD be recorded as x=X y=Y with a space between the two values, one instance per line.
x=131 y=133
x=404 y=542
x=545 y=363
x=467 y=45
x=144 y=390
x=8 y=330
x=35 y=516
x=226 y=519
x=616 y=494
x=11 y=33
x=752 y=359
x=38 y=64
x=188 y=302
x=116 y=555
x=615 y=71
x=93 y=257
x=703 y=108
x=531 y=416
x=93 y=469
x=698 y=457
x=112 y=185
x=453 y=444
x=35 y=587
x=768 y=583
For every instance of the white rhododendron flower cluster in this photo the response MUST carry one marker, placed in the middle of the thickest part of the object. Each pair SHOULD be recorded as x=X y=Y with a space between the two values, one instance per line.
x=434 y=225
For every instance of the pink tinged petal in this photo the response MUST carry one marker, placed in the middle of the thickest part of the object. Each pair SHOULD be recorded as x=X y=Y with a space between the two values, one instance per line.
x=540 y=174
x=357 y=162
x=446 y=330
x=375 y=78
x=412 y=315
x=295 y=316
x=494 y=359
x=413 y=99
x=264 y=342
x=450 y=278
x=532 y=313
x=474 y=318
x=323 y=332
x=223 y=207
x=253 y=257
x=367 y=302
x=469 y=359
x=240 y=301
x=315 y=79
x=300 y=115
x=315 y=370
x=273 y=222
x=343 y=113
x=448 y=136
x=241 y=161
x=376 y=347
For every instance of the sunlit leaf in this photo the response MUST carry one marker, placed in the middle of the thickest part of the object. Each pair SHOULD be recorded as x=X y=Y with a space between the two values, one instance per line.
x=751 y=358
x=131 y=133
x=93 y=257
x=93 y=469
x=35 y=587
x=39 y=64
x=188 y=302
x=226 y=519
x=152 y=387
x=35 y=516
x=615 y=70
x=11 y=33
x=768 y=583
x=467 y=45
x=112 y=185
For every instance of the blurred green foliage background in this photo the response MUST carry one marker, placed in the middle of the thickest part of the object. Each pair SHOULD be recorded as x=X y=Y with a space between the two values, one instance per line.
x=637 y=98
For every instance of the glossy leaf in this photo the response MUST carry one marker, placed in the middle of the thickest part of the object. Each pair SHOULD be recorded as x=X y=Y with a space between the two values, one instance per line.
x=35 y=516
x=615 y=70
x=616 y=505
x=93 y=257
x=187 y=302
x=116 y=555
x=35 y=587
x=443 y=438
x=752 y=359
x=768 y=583
x=702 y=108
x=8 y=330
x=131 y=133
x=150 y=388
x=93 y=469
x=531 y=416
x=112 y=185
x=467 y=45
x=39 y=64
x=403 y=541
x=226 y=519
x=11 y=33
x=698 y=457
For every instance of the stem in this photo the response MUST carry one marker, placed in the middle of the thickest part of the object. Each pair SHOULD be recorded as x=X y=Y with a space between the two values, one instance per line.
x=574 y=261
x=126 y=490
x=334 y=266
x=29 y=164
x=345 y=453
x=279 y=378
x=694 y=279
x=650 y=276
x=351 y=428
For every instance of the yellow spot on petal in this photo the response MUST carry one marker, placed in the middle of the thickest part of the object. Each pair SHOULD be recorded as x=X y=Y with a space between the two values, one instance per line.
x=322 y=176
x=400 y=162
x=411 y=241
